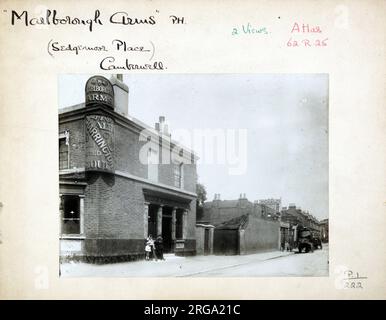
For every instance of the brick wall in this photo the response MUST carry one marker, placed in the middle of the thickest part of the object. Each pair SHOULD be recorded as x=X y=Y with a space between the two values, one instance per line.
x=77 y=142
x=200 y=240
x=127 y=150
x=259 y=235
x=191 y=224
x=114 y=209
x=126 y=153
x=190 y=177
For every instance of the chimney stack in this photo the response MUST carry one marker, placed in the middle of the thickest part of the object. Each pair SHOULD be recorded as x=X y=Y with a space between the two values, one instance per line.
x=121 y=95
x=162 y=127
x=243 y=201
x=161 y=124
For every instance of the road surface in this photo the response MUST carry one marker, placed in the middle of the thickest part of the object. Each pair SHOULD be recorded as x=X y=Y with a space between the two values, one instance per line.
x=277 y=263
x=295 y=265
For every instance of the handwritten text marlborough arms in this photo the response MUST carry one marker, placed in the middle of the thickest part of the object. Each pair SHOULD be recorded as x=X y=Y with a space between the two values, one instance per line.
x=53 y=18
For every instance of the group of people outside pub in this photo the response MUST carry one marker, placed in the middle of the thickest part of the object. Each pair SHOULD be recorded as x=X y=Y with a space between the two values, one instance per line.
x=154 y=248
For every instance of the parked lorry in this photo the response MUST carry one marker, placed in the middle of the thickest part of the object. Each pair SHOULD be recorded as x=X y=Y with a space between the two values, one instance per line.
x=305 y=240
x=308 y=240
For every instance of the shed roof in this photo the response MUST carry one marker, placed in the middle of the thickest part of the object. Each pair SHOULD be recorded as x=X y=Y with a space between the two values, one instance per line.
x=235 y=223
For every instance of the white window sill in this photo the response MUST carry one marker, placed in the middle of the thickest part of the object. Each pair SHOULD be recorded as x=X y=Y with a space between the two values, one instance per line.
x=72 y=237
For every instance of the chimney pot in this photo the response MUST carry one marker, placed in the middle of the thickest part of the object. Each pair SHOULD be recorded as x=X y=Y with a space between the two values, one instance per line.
x=166 y=129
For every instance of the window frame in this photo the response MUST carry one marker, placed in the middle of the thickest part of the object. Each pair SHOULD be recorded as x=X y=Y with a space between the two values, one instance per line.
x=79 y=235
x=64 y=135
x=152 y=167
x=178 y=175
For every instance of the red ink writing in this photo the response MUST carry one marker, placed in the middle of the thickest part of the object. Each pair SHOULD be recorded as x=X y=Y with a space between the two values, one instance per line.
x=306 y=36
x=307 y=43
x=305 y=28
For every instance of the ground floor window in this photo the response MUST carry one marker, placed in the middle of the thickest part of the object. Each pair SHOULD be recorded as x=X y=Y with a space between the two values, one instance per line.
x=70 y=208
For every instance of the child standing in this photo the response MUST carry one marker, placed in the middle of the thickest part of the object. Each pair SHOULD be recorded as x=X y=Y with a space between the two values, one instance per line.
x=147 y=251
x=148 y=247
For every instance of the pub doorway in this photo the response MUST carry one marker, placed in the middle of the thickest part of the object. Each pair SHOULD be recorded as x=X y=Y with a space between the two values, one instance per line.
x=152 y=221
x=166 y=226
x=167 y=230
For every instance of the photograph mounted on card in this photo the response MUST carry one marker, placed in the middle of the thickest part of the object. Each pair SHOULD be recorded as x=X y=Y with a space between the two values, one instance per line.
x=165 y=200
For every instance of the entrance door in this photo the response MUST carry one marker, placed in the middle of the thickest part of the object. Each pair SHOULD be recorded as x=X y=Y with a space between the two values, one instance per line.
x=167 y=233
x=206 y=242
x=152 y=222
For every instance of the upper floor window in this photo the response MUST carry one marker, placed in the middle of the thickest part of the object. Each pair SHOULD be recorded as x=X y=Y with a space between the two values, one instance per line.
x=64 y=151
x=179 y=175
x=152 y=165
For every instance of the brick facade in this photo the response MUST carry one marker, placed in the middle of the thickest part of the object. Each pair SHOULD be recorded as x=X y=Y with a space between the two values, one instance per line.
x=114 y=203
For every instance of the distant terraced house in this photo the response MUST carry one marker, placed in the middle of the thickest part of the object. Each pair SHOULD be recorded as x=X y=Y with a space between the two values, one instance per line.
x=242 y=227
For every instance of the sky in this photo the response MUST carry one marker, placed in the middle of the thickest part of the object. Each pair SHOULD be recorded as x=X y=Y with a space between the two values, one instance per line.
x=280 y=122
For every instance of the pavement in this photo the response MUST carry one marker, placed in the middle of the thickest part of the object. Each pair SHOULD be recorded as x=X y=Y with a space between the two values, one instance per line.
x=276 y=263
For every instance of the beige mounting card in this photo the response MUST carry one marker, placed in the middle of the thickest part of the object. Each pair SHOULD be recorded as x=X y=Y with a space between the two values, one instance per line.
x=233 y=65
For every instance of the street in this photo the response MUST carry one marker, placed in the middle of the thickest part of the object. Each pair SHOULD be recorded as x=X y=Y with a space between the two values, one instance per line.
x=277 y=263
x=294 y=265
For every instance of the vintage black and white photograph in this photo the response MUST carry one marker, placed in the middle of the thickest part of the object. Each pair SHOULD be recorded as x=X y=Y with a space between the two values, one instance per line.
x=193 y=175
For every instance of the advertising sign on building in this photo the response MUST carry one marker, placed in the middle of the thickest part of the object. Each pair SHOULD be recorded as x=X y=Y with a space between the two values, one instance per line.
x=99 y=91
x=99 y=143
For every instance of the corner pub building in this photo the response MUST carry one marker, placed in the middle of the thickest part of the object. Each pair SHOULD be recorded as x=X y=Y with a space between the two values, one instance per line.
x=114 y=188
